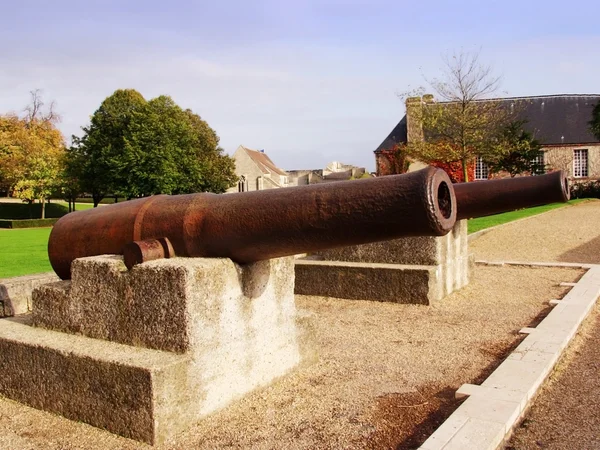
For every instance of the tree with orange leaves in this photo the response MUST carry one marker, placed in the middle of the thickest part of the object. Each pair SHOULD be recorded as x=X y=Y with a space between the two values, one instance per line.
x=31 y=151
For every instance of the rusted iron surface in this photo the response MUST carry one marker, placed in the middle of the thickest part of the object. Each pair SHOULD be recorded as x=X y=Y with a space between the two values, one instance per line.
x=488 y=197
x=138 y=252
x=254 y=226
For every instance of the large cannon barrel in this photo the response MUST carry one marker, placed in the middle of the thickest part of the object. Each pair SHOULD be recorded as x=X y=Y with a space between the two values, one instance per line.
x=254 y=226
x=488 y=197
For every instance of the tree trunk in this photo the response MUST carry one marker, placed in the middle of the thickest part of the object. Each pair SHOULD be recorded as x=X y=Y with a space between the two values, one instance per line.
x=96 y=198
x=43 y=208
x=465 y=168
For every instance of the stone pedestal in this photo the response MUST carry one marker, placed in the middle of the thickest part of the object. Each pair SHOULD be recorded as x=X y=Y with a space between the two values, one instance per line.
x=147 y=353
x=15 y=293
x=408 y=270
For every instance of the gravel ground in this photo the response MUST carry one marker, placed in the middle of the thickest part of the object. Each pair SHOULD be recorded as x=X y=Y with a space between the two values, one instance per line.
x=566 y=413
x=387 y=373
x=569 y=234
x=385 y=378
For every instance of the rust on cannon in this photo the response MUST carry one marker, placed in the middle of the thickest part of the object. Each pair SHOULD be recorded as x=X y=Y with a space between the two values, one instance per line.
x=488 y=197
x=254 y=226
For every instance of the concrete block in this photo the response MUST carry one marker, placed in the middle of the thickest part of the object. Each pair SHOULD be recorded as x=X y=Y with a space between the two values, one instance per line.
x=485 y=393
x=368 y=281
x=15 y=293
x=490 y=410
x=522 y=376
x=444 y=433
x=416 y=250
x=477 y=434
x=204 y=332
x=136 y=393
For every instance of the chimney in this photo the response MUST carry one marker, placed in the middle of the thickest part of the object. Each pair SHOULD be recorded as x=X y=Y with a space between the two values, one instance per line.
x=414 y=116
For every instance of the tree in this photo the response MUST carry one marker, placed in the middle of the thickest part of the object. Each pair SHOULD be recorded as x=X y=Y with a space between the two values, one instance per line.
x=137 y=148
x=96 y=158
x=517 y=152
x=31 y=150
x=595 y=122
x=462 y=125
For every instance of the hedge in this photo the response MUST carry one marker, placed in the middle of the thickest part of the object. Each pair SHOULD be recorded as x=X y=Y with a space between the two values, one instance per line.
x=34 y=211
x=27 y=223
x=586 y=189
x=104 y=201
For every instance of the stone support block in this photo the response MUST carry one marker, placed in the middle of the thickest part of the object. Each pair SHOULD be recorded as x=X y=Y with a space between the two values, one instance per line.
x=368 y=281
x=408 y=270
x=146 y=353
x=15 y=293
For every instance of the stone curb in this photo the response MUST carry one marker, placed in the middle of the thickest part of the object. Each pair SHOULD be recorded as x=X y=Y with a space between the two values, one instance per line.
x=492 y=409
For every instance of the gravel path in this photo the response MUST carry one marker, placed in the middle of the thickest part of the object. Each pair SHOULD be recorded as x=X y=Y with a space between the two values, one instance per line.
x=385 y=378
x=569 y=234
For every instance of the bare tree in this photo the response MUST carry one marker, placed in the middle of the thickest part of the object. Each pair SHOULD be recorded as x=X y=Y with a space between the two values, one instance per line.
x=34 y=111
x=461 y=123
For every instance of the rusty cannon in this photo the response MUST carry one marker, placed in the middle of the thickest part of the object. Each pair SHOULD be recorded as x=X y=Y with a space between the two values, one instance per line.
x=254 y=226
x=488 y=197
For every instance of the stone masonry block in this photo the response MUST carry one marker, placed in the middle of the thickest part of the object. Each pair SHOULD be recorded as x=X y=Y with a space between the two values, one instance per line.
x=15 y=293
x=416 y=250
x=146 y=353
x=380 y=282
x=137 y=393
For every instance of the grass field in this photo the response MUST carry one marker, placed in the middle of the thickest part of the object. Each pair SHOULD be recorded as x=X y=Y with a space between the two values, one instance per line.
x=491 y=221
x=24 y=252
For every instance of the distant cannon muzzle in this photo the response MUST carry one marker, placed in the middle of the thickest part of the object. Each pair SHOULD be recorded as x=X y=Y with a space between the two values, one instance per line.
x=254 y=226
x=488 y=197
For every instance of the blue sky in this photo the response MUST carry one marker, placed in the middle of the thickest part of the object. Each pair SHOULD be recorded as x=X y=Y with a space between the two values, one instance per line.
x=308 y=81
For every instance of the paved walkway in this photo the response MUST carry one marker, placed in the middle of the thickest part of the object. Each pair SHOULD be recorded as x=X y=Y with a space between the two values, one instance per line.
x=566 y=413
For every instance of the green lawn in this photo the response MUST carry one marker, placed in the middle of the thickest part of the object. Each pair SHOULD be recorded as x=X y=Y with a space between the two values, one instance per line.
x=24 y=252
x=490 y=221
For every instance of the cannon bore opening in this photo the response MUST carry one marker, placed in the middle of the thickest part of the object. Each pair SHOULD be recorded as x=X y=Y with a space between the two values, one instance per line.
x=444 y=200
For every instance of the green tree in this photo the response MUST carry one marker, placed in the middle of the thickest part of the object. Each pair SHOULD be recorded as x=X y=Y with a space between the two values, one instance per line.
x=98 y=155
x=137 y=148
x=462 y=125
x=516 y=152
x=595 y=122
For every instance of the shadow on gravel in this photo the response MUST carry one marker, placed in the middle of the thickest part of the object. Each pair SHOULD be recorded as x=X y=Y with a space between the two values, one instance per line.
x=444 y=400
x=588 y=252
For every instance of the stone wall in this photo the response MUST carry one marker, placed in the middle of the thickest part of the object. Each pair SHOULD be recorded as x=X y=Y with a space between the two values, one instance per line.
x=561 y=158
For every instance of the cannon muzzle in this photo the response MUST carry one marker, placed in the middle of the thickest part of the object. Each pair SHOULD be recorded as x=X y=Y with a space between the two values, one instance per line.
x=255 y=226
x=488 y=197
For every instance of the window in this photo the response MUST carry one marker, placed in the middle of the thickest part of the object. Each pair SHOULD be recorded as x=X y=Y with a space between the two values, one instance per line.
x=538 y=166
x=481 y=169
x=242 y=184
x=580 y=163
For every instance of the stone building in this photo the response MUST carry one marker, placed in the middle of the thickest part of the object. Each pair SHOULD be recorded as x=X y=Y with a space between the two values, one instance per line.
x=559 y=122
x=256 y=171
x=334 y=171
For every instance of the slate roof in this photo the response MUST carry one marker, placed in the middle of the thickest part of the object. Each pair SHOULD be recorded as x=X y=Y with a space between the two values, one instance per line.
x=552 y=119
x=263 y=162
x=398 y=134
x=559 y=119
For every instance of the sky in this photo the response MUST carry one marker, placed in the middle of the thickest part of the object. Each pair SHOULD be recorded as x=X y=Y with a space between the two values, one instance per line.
x=309 y=82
